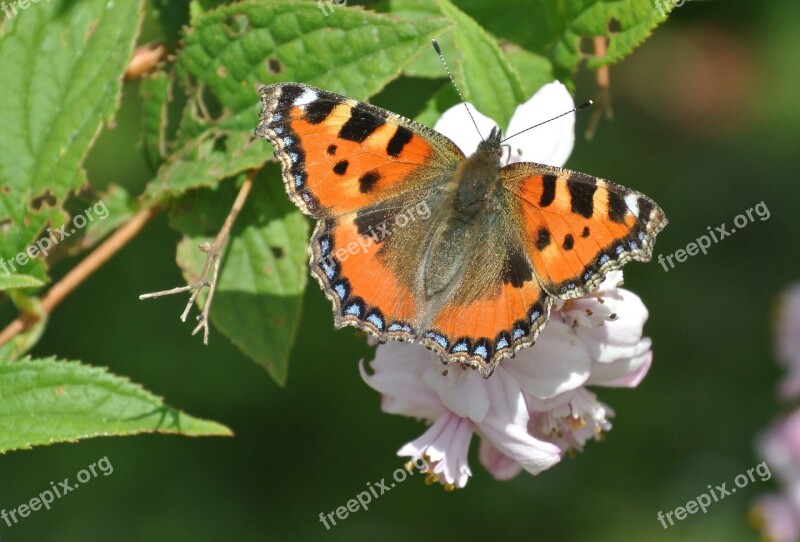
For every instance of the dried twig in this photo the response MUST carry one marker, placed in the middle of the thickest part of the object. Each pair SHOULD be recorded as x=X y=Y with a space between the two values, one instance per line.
x=210 y=272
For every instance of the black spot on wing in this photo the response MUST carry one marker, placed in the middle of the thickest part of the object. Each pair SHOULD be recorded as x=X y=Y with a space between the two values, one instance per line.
x=645 y=208
x=331 y=149
x=569 y=242
x=341 y=167
x=361 y=124
x=581 y=191
x=516 y=269
x=289 y=95
x=585 y=233
x=318 y=110
x=367 y=181
x=399 y=140
x=548 y=190
x=542 y=239
x=617 y=208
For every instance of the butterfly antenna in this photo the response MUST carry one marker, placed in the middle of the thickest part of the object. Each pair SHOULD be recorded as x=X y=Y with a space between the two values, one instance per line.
x=585 y=104
x=452 y=80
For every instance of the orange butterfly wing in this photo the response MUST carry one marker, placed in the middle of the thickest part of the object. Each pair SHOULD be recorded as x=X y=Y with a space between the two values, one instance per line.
x=577 y=227
x=339 y=155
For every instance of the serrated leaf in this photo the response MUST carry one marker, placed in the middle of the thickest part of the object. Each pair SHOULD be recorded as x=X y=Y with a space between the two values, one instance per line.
x=62 y=64
x=554 y=28
x=44 y=401
x=235 y=49
x=206 y=160
x=11 y=281
x=485 y=76
x=258 y=299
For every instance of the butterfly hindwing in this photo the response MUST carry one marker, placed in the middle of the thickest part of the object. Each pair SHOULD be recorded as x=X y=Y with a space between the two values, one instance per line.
x=576 y=227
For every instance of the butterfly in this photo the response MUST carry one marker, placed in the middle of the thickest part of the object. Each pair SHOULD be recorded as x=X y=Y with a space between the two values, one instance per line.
x=417 y=242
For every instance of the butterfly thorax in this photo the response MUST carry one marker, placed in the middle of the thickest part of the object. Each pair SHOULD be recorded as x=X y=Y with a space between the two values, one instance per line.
x=469 y=204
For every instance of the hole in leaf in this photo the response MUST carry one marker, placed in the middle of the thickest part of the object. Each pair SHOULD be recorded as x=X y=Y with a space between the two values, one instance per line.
x=221 y=143
x=277 y=252
x=614 y=25
x=236 y=25
x=274 y=65
x=45 y=198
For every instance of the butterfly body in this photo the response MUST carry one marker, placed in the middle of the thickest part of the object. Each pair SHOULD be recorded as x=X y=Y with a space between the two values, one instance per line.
x=417 y=242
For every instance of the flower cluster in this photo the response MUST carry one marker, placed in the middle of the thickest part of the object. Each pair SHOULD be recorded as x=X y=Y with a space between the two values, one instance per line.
x=536 y=407
x=778 y=514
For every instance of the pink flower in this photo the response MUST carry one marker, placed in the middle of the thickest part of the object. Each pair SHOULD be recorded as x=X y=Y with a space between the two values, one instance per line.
x=534 y=408
x=788 y=341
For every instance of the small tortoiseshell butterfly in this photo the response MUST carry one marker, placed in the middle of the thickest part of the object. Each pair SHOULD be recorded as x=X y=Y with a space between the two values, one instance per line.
x=417 y=242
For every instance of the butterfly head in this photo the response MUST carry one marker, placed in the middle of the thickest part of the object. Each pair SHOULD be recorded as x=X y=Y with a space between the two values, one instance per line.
x=491 y=145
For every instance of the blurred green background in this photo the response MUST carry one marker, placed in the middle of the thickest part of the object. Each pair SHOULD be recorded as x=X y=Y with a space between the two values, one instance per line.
x=706 y=123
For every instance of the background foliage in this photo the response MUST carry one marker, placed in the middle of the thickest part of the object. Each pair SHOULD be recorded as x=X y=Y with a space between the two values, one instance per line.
x=705 y=123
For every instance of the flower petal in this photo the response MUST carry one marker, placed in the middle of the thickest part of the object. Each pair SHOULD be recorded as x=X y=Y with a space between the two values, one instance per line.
x=397 y=374
x=456 y=124
x=550 y=143
x=557 y=363
x=624 y=373
x=518 y=445
x=502 y=467
x=445 y=445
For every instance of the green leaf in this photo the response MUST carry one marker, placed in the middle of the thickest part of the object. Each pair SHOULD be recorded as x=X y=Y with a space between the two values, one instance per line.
x=258 y=299
x=44 y=401
x=61 y=64
x=235 y=49
x=555 y=28
x=156 y=93
x=485 y=76
x=206 y=160
x=9 y=281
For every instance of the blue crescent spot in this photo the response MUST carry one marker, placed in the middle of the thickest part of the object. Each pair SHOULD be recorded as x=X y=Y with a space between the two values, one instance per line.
x=440 y=340
x=633 y=245
x=518 y=333
x=619 y=249
x=288 y=141
x=330 y=271
x=603 y=259
x=395 y=327
x=502 y=343
x=460 y=347
x=299 y=180
x=341 y=291
x=293 y=156
x=641 y=236
x=376 y=321
x=481 y=351
x=306 y=196
x=276 y=117
x=535 y=315
x=353 y=309
x=278 y=130
x=587 y=275
x=325 y=246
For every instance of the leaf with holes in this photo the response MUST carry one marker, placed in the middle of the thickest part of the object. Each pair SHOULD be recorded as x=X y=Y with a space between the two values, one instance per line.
x=62 y=69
